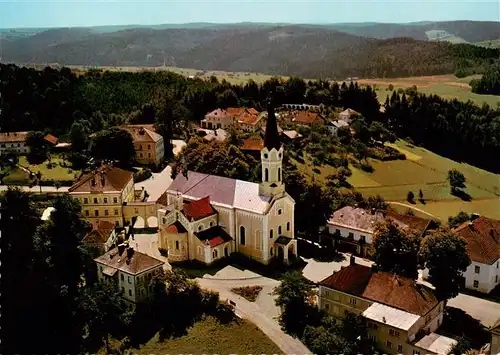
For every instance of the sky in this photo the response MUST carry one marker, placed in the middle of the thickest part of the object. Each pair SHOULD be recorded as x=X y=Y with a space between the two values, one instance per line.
x=71 y=13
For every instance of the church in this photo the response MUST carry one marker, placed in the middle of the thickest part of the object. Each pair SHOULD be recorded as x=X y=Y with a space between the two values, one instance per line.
x=206 y=217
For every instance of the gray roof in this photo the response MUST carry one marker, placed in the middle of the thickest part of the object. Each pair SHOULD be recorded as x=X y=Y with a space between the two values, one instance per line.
x=239 y=194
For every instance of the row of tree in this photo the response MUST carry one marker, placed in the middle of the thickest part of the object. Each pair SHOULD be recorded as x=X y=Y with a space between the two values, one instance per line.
x=489 y=83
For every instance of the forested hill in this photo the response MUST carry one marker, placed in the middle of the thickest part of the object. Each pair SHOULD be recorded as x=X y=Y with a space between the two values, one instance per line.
x=312 y=52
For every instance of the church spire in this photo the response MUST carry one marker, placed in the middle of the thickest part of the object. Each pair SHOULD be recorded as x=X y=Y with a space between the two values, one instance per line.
x=271 y=136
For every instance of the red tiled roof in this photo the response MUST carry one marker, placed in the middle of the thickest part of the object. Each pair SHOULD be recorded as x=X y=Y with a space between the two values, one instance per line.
x=100 y=233
x=483 y=239
x=13 y=137
x=213 y=236
x=250 y=119
x=50 y=138
x=252 y=111
x=176 y=227
x=305 y=117
x=252 y=144
x=383 y=287
x=198 y=209
x=104 y=178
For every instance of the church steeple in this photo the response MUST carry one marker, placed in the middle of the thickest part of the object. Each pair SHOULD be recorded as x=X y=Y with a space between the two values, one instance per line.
x=271 y=157
x=271 y=136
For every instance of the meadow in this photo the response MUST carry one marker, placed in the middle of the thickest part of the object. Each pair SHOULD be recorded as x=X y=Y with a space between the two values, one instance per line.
x=426 y=171
x=210 y=337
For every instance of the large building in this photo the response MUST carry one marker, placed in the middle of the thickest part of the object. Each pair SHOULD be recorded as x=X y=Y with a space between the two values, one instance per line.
x=205 y=217
x=103 y=193
x=149 y=146
x=483 y=246
x=130 y=270
x=351 y=228
x=14 y=142
x=246 y=119
x=401 y=314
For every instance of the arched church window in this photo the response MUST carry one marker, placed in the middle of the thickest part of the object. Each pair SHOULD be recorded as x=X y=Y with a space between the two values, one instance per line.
x=242 y=235
x=279 y=230
x=287 y=226
x=266 y=174
x=265 y=155
x=271 y=234
x=279 y=174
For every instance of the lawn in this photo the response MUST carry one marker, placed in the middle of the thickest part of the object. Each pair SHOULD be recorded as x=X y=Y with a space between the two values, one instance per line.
x=446 y=86
x=426 y=171
x=211 y=337
x=56 y=172
x=16 y=177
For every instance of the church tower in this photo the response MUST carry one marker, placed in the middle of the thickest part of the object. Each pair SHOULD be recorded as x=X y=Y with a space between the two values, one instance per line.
x=271 y=157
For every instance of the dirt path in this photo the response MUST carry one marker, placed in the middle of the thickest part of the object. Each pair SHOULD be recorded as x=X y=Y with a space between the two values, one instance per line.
x=412 y=207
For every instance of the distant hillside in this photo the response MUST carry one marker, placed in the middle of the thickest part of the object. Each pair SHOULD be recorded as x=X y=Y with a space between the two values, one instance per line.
x=309 y=51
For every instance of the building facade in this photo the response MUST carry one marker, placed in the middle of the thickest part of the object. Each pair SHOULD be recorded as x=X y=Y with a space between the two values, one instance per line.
x=351 y=229
x=246 y=119
x=238 y=216
x=149 y=146
x=103 y=193
x=14 y=142
x=401 y=315
x=483 y=246
x=130 y=270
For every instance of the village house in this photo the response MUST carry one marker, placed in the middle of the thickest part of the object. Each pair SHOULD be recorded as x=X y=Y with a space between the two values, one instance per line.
x=290 y=136
x=130 y=270
x=347 y=115
x=206 y=217
x=218 y=134
x=350 y=229
x=51 y=139
x=14 y=142
x=246 y=119
x=483 y=246
x=103 y=193
x=495 y=338
x=305 y=118
x=104 y=235
x=334 y=126
x=149 y=146
x=401 y=314
x=252 y=146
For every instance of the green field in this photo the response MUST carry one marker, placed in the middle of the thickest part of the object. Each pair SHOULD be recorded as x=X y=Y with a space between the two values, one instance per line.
x=210 y=337
x=446 y=86
x=495 y=43
x=426 y=171
x=56 y=172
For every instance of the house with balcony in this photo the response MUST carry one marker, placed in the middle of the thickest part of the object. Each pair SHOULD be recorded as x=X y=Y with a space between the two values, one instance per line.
x=130 y=270
x=350 y=229
x=401 y=315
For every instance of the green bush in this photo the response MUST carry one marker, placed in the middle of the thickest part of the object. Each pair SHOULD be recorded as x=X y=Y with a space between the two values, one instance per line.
x=142 y=175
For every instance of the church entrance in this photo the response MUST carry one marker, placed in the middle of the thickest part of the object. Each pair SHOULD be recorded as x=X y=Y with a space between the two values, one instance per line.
x=281 y=254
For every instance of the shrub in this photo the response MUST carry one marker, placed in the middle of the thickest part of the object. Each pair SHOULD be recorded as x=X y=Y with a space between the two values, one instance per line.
x=250 y=293
x=142 y=175
x=367 y=167
x=410 y=197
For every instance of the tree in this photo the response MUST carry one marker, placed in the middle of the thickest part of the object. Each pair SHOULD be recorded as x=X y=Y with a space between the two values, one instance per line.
x=78 y=135
x=104 y=311
x=410 y=197
x=461 y=347
x=315 y=208
x=445 y=256
x=113 y=144
x=457 y=220
x=38 y=147
x=296 y=312
x=456 y=179
x=420 y=195
x=395 y=250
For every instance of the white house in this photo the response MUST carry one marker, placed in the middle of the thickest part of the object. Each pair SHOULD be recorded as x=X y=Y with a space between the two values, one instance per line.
x=351 y=228
x=333 y=126
x=483 y=246
x=130 y=269
x=347 y=114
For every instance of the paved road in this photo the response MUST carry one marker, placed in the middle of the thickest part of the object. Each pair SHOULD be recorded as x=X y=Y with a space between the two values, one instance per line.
x=256 y=312
x=36 y=189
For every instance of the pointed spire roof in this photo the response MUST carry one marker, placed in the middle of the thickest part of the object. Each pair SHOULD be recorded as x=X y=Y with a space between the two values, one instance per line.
x=271 y=137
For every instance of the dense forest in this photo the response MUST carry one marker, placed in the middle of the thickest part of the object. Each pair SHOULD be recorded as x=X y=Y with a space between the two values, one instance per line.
x=489 y=84
x=54 y=99
x=291 y=50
